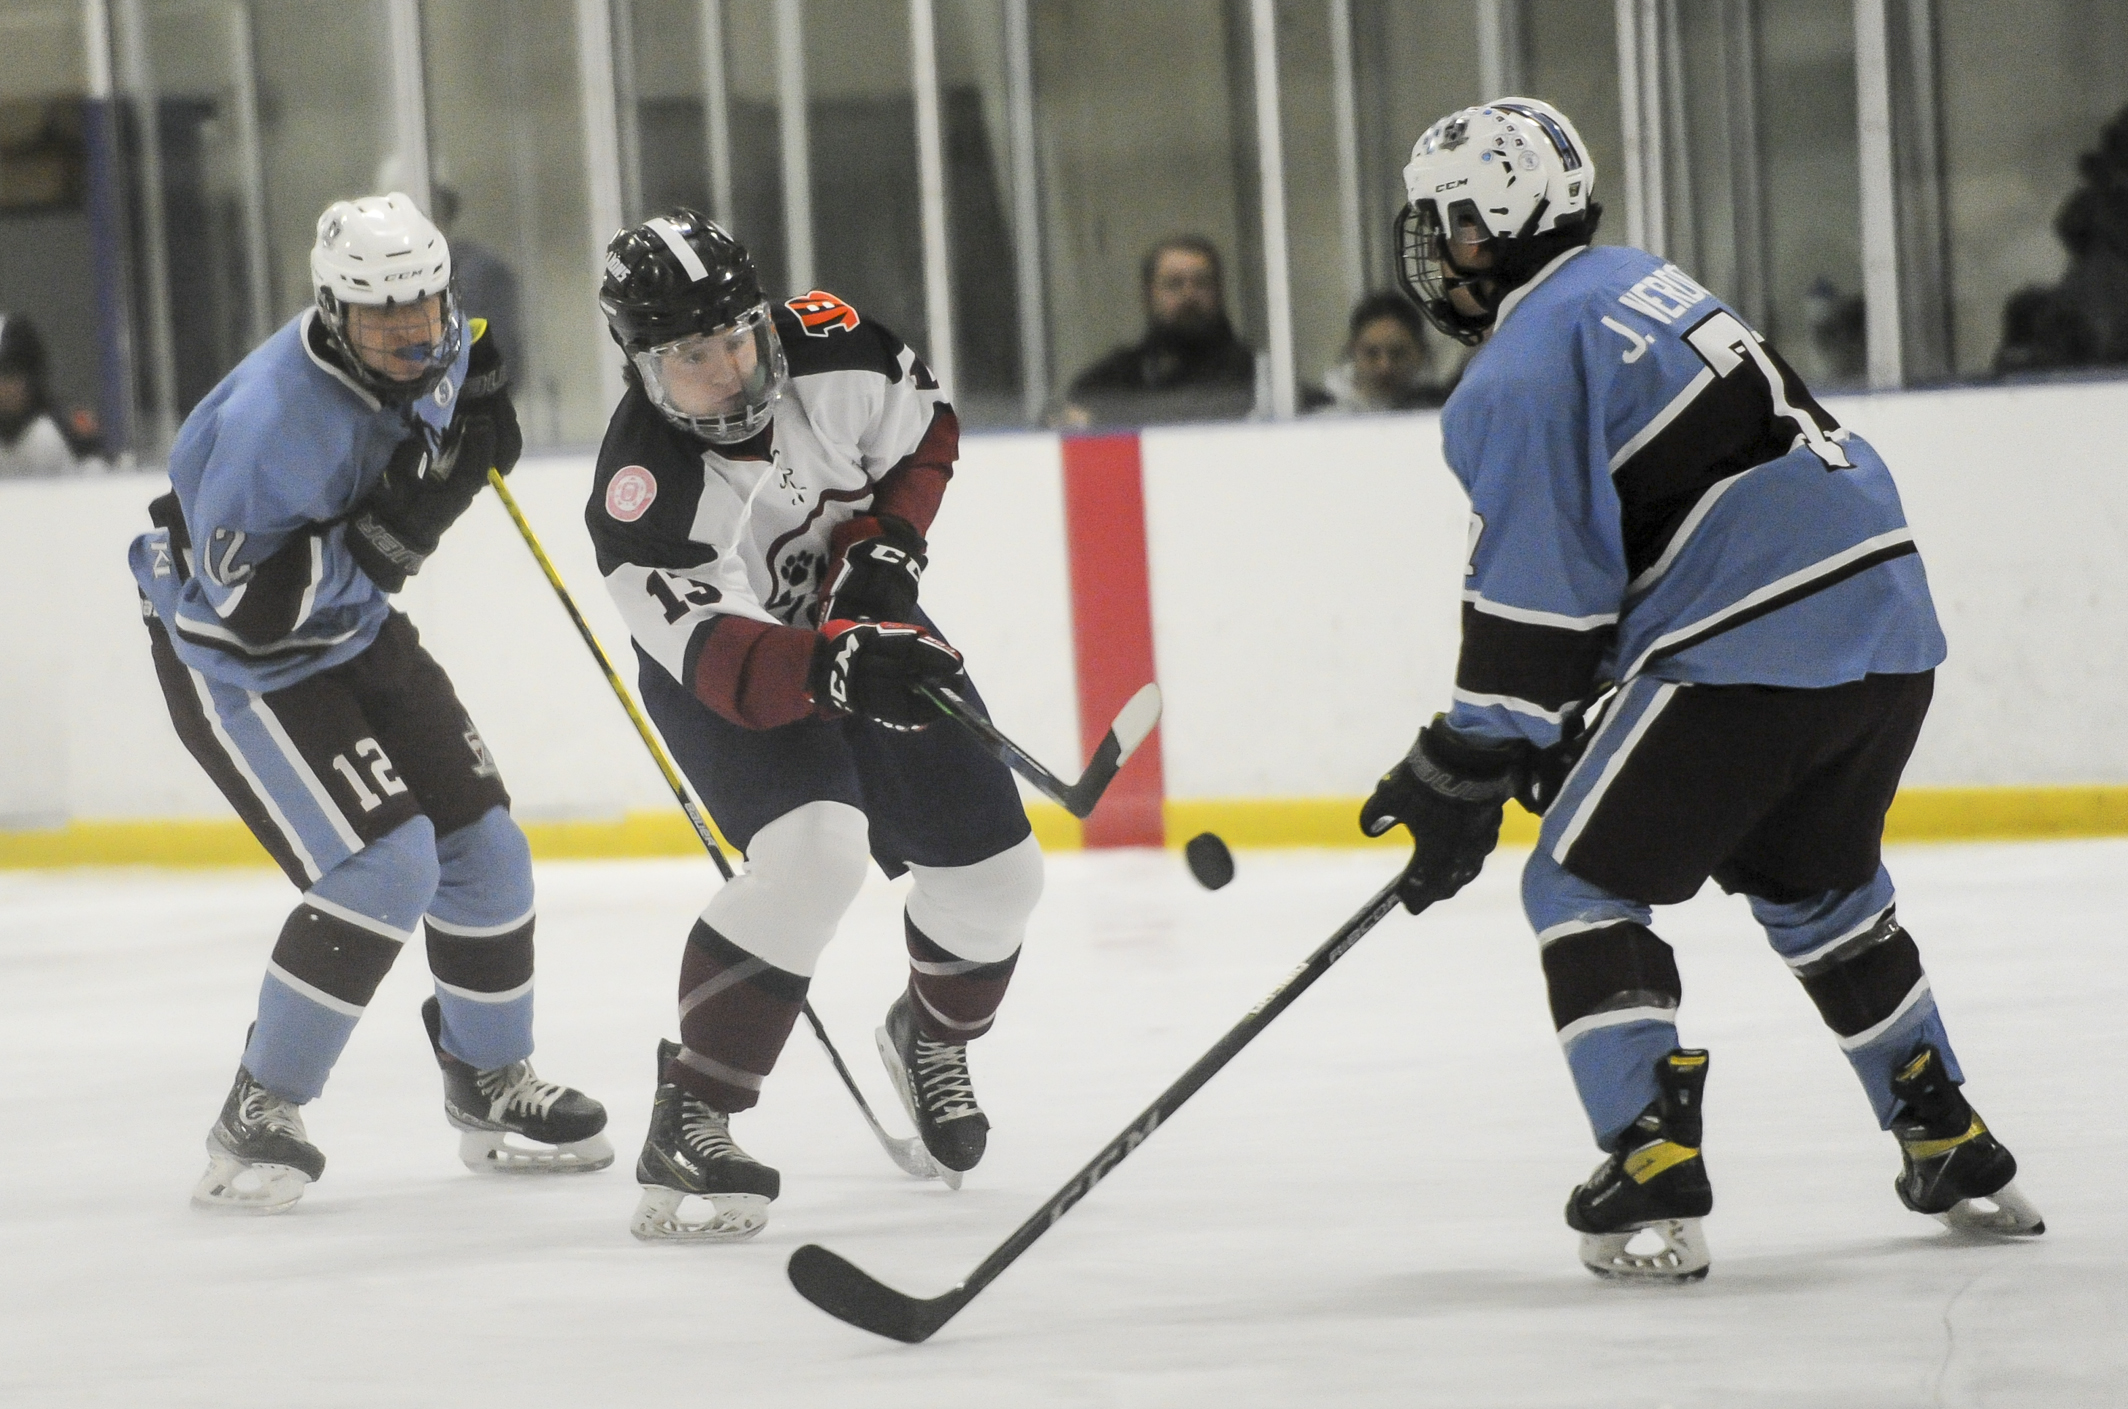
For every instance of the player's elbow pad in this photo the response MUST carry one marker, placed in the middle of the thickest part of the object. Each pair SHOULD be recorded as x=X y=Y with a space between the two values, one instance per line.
x=271 y=606
x=754 y=674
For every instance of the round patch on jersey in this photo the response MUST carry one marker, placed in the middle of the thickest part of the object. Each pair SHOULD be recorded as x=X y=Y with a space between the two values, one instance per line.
x=630 y=492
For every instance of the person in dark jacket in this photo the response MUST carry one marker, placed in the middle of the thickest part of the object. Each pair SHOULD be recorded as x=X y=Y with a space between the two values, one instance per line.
x=1189 y=366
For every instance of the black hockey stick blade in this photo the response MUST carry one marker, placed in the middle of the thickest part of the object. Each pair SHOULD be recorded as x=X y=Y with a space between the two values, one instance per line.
x=848 y=1292
x=1131 y=725
x=843 y=1290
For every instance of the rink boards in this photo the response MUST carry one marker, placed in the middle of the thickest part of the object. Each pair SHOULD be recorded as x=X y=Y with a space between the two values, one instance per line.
x=1301 y=582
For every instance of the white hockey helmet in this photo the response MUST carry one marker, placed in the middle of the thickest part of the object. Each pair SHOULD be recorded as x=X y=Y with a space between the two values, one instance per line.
x=381 y=251
x=1511 y=178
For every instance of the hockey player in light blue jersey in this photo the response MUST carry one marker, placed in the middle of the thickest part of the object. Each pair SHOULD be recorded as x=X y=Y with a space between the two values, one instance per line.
x=306 y=487
x=1662 y=515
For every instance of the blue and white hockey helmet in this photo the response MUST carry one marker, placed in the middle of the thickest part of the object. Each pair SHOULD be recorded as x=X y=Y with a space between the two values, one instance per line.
x=381 y=252
x=1494 y=193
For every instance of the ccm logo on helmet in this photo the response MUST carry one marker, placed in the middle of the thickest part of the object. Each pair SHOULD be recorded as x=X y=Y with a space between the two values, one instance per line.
x=821 y=313
x=1451 y=185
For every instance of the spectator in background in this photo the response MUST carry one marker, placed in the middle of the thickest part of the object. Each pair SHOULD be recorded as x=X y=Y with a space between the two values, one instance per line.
x=35 y=439
x=2083 y=320
x=487 y=285
x=1387 y=366
x=1189 y=366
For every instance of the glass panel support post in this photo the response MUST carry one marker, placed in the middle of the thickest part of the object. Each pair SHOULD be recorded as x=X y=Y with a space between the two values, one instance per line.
x=107 y=224
x=1905 y=267
x=1905 y=261
x=1271 y=175
x=627 y=111
x=1503 y=48
x=1026 y=213
x=244 y=77
x=1351 y=218
x=602 y=163
x=138 y=79
x=409 y=117
x=1641 y=117
x=931 y=192
x=795 y=131
x=716 y=112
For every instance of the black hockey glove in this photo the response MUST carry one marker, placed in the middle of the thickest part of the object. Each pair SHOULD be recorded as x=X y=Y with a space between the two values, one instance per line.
x=486 y=393
x=879 y=575
x=1544 y=771
x=1449 y=791
x=872 y=668
x=399 y=522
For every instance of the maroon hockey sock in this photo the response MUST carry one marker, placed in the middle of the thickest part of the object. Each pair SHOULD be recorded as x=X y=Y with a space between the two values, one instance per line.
x=955 y=999
x=736 y=1012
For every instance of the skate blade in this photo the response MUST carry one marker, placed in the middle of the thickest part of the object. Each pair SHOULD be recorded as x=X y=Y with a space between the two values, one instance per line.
x=899 y=1076
x=232 y=1186
x=2004 y=1213
x=658 y=1219
x=1682 y=1256
x=497 y=1152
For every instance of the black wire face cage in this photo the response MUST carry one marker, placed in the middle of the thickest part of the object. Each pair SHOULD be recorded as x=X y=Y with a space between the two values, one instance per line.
x=436 y=362
x=1427 y=277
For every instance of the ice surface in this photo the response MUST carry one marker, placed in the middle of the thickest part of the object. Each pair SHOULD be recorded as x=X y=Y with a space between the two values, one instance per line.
x=1363 y=1209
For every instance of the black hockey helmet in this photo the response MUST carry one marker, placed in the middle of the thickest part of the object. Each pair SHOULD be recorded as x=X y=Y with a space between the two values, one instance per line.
x=681 y=296
x=675 y=274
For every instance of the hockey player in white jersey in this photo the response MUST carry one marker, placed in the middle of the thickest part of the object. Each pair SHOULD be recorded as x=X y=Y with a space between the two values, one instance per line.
x=306 y=487
x=1660 y=508
x=760 y=511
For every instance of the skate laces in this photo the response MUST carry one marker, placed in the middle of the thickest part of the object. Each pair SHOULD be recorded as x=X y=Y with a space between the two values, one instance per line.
x=707 y=1130
x=942 y=1077
x=261 y=1107
x=517 y=1088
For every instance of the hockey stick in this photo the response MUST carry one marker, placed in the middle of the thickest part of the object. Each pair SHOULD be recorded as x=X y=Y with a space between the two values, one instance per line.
x=840 y=1288
x=910 y=1153
x=1127 y=732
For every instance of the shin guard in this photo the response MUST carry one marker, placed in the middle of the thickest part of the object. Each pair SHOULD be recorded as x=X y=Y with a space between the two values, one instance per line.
x=736 y=1012
x=954 y=999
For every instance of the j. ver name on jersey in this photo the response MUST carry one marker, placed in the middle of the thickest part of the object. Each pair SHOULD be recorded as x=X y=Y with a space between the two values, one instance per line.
x=1702 y=517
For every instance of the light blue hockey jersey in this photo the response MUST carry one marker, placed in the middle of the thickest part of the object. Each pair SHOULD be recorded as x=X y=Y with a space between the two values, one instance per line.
x=1655 y=492
x=272 y=459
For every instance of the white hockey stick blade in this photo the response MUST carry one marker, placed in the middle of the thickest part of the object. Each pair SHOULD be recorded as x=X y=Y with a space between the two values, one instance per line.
x=1135 y=722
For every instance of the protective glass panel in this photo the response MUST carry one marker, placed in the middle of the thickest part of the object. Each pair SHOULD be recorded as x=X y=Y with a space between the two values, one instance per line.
x=2035 y=146
x=1413 y=62
x=47 y=273
x=508 y=184
x=1145 y=133
x=203 y=261
x=975 y=114
x=1812 y=179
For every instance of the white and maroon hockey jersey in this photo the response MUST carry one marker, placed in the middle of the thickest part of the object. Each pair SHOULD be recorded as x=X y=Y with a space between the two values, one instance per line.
x=718 y=555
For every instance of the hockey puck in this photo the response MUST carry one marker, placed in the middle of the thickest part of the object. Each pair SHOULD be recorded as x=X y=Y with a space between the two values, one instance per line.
x=1210 y=861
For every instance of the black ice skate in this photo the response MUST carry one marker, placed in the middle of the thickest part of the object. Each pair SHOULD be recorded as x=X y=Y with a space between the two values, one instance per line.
x=1656 y=1183
x=932 y=1079
x=1955 y=1170
x=689 y=1152
x=557 y=1127
x=258 y=1157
